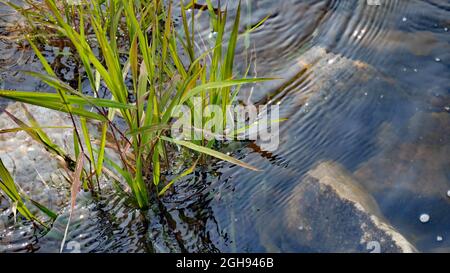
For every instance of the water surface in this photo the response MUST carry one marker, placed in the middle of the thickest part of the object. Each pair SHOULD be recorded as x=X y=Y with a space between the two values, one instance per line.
x=365 y=86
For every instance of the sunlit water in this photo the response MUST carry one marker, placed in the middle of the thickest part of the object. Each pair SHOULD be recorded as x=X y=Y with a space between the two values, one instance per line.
x=365 y=86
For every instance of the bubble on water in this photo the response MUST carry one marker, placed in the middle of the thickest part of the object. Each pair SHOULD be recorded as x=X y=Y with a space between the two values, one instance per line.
x=212 y=35
x=404 y=19
x=424 y=218
x=437 y=59
x=439 y=238
x=448 y=192
x=445 y=29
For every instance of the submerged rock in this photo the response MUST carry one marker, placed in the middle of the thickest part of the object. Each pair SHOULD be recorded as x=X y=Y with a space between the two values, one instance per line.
x=414 y=158
x=36 y=171
x=330 y=212
x=410 y=175
x=43 y=177
x=107 y=225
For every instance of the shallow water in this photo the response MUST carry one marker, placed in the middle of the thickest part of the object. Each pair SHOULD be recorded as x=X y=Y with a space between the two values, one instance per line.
x=365 y=86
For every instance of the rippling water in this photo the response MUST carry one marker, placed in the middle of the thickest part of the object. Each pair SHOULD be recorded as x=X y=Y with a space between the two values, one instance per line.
x=365 y=86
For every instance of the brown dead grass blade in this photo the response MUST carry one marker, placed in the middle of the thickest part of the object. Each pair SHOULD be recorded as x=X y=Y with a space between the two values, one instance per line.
x=76 y=183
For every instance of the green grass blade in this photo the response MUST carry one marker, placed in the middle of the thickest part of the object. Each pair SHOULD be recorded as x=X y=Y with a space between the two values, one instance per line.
x=101 y=153
x=210 y=152
x=44 y=209
x=183 y=174
x=47 y=101
x=156 y=166
x=219 y=84
x=87 y=140
x=54 y=99
x=38 y=135
x=9 y=188
x=31 y=129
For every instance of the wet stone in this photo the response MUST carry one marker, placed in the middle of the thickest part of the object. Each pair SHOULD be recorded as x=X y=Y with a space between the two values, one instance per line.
x=337 y=215
x=42 y=177
x=34 y=169
x=418 y=163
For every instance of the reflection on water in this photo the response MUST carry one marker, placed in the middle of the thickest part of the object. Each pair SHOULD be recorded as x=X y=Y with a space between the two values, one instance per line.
x=365 y=86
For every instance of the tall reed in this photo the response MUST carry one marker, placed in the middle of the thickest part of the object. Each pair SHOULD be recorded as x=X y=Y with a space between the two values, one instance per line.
x=146 y=76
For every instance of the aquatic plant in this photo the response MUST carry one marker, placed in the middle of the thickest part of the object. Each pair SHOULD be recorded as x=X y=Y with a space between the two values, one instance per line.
x=156 y=69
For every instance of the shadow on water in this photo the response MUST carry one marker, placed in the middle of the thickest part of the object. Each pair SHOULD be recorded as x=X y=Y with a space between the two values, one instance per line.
x=365 y=86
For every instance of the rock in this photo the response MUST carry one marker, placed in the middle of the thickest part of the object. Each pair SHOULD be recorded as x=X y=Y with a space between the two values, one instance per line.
x=41 y=176
x=413 y=158
x=331 y=212
x=108 y=225
x=36 y=171
x=420 y=43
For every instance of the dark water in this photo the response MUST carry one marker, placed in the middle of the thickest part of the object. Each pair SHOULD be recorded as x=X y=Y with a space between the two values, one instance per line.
x=365 y=86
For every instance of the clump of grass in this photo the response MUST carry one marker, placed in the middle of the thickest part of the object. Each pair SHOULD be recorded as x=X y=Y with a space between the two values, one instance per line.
x=146 y=80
